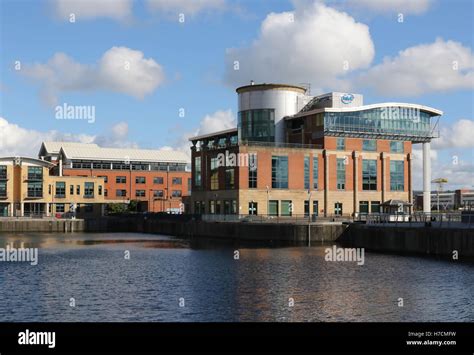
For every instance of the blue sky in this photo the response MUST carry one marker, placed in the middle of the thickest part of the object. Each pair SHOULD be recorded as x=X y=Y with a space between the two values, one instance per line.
x=191 y=66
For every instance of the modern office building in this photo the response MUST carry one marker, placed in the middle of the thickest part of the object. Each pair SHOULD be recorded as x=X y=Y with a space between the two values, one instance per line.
x=295 y=154
x=157 y=179
x=27 y=188
x=448 y=200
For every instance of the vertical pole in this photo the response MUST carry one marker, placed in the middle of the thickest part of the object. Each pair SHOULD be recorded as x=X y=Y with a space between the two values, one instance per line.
x=426 y=178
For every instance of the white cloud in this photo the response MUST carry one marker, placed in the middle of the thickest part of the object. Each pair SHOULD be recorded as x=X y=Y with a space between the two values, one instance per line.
x=457 y=135
x=435 y=67
x=187 y=7
x=90 y=9
x=120 y=69
x=16 y=140
x=313 y=48
x=415 y=7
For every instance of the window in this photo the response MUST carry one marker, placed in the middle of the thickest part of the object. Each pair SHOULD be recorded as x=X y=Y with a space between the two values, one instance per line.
x=364 y=206
x=369 y=175
x=256 y=125
x=253 y=208
x=375 y=206
x=3 y=172
x=253 y=170
x=214 y=174
x=197 y=171
x=158 y=193
x=139 y=193
x=315 y=207
x=397 y=175
x=71 y=189
x=105 y=192
x=273 y=208
x=306 y=208
x=3 y=189
x=121 y=179
x=189 y=185
x=78 y=189
x=341 y=173
x=279 y=172
x=121 y=193
x=340 y=143
x=35 y=173
x=315 y=172
x=396 y=147
x=176 y=193
x=88 y=189
x=338 y=209
x=100 y=190
x=369 y=145
x=306 y=173
x=229 y=178
x=177 y=181
x=102 y=166
x=158 y=180
x=218 y=207
x=226 y=207
x=105 y=178
x=59 y=207
x=60 y=189
x=140 y=180
x=35 y=189
x=286 y=208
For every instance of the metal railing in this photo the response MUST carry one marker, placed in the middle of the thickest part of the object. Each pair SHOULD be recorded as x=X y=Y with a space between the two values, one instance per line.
x=432 y=219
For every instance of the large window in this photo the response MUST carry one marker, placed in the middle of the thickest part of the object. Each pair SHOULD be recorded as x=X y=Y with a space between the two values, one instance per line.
x=177 y=181
x=89 y=189
x=176 y=193
x=253 y=170
x=158 y=193
x=214 y=174
x=229 y=178
x=315 y=172
x=286 y=208
x=375 y=206
x=35 y=173
x=35 y=189
x=121 y=179
x=364 y=206
x=197 y=171
x=139 y=193
x=60 y=189
x=158 y=180
x=140 y=180
x=341 y=174
x=3 y=189
x=369 y=175
x=257 y=125
x=3 y=172
x=273 y=208
x=397 y=182
x=121 y=193
x=306 y=173
x=396 y=147
x=279 y=172
x=369 y=145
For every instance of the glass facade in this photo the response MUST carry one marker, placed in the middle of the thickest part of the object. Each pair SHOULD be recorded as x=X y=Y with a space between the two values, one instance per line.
x=197 y=172
x=341 y=174
x=399 y=121
x=306 y=173
x=257 y=125
x=279 y=172
x=369 y=175
x=397 y=182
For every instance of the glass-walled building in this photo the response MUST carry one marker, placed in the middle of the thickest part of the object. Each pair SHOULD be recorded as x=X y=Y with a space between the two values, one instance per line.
x=296 y=154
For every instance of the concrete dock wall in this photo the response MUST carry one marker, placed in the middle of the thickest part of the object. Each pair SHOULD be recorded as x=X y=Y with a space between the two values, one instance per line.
x=414 y=240
x=41 y=225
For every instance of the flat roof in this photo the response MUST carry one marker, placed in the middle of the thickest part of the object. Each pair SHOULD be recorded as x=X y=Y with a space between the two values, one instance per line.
x=213 y=134
x=270 y=86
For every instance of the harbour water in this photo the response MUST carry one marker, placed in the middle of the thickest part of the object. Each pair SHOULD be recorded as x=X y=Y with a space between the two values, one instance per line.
x=89 y=277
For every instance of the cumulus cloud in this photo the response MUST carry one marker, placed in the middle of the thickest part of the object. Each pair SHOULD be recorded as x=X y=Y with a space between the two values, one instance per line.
x=90 y=9
x=415 y=7
x=187 y=7
x=120 y=69
x=16 y=140
x=425 y=68
x=314 y=43
x=457 y=135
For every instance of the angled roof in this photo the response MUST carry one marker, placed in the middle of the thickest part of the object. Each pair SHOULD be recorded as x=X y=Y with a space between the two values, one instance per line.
x=94 y=152
x=28 y=160
x=213 y=134
x=54 y=147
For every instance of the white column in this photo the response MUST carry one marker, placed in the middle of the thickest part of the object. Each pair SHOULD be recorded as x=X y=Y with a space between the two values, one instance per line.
x=22 y=209
x=426 y=178
x=60 y=167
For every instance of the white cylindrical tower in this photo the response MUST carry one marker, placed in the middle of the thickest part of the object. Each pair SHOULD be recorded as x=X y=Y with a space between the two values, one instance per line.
x=262 y=108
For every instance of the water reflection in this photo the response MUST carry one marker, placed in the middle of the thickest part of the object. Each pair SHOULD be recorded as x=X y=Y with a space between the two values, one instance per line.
x=261 y=285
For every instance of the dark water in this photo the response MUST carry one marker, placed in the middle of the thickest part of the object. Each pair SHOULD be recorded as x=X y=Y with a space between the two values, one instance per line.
x=92 y=269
